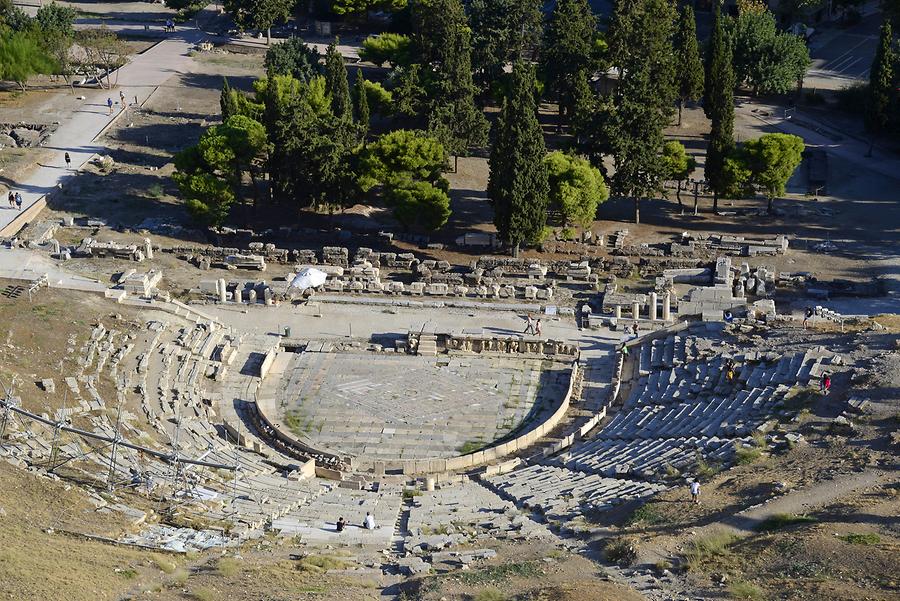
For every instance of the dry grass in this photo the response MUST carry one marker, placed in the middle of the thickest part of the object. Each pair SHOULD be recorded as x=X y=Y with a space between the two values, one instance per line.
x=229 y=567
x=701 y=552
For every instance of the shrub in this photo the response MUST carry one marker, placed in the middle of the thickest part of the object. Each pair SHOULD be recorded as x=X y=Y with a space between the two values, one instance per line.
x=741 y=589
x=167 y=566
x=228 y=567
x=155 y=191
x=490 y=594
x=204 y=594
x=621 y=551
x=783 y=520
x=704 y=549
x=321 y=563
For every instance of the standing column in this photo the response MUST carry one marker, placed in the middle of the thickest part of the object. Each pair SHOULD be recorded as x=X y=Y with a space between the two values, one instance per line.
x=666 y=306
x=148 y=248
x=636 y=309
x=618 y=311
x=652 y=306
x=222 y=291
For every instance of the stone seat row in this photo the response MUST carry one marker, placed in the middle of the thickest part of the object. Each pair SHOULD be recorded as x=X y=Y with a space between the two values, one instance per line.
x=648 y=459
x=559 y=492
x=727 y=416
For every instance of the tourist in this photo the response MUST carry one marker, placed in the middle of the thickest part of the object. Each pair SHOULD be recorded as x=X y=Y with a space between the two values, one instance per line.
x=695 y=492
x=529 y=327
x=369 y=521
x=826 y=383
x=537 y=328
x=340 y=525
x=122 y=99
x=729 y=316
x=585 y=316
x=109 y=104
x=807 y=315
x=68 y=161
x=18 y=201
x=624 y=350
x=12 y=199
x=634 y=329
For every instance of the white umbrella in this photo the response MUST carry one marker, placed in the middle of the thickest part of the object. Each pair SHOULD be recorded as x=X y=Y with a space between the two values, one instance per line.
x=309 y=277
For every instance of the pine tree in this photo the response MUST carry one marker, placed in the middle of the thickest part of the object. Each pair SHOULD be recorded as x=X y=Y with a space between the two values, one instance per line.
x=688 y=66
x=336 y=82
x=644 y=98
x=443 y=38
x=881 y=85
x=363 y=115
x=517 y=185
x=719 y=108
x=568 y=55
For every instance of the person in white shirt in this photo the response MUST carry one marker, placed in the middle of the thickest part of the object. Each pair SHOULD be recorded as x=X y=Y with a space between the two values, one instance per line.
x=369 y=522
x=695 y=492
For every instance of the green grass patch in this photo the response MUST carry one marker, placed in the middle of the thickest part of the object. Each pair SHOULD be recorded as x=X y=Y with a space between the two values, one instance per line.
x=491 y=574
x=155 y=191
x=411 y=493
x=783 y=520
x=318 y=564
x=648 y=514
x=800 y=397
x=861 y=539
x=707 y=470
x=297 y=423
x=746 y=591
x=705 y=549
x=470 y=446
x=127 y=574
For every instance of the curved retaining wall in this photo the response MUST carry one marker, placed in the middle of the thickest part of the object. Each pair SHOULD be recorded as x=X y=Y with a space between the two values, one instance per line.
x=429 y=466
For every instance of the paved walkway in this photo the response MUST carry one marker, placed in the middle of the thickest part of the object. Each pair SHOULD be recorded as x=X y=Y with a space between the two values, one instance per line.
x=140 y=78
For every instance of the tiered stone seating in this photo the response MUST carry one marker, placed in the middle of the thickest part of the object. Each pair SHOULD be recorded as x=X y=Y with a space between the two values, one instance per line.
x=645 y=459
x=561 y=493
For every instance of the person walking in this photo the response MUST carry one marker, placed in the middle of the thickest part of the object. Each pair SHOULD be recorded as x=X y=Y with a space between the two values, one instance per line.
x=826 y=383
x=68 y=161
x=806 y=316
x=109 y=104
x=695 y=492
x=537 y=328
x=122 y=102
x=18 y=201
x=529 y=325
x=12 y=199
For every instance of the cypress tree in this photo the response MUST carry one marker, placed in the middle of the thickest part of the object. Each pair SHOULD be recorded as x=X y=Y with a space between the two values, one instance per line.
x=227 y=101
x=644 y=98
x=881 y=85
x=719 y=108
x=363 y=115
x=517 y=185
x=336 y=82
x=688 y=66
x=568 y=56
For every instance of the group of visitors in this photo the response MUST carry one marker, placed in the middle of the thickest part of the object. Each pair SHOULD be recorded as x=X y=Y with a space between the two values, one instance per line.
x=15 y=200
x=170 y=25
x=367 y=524
x=532 y=326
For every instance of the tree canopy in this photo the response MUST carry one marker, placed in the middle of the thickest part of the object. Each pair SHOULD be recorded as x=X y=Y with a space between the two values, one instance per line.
x=568 y=57
x=502 y=30
x=354 y=7
x=765 y=59
x=22 y=56
x=576 y=188
x=517 y=185
x=292 y=57
x=719 y=107
x=336 y=83
x=390 y=48
x=408 y=167
x=688 y=66
x=882 y=102
x=644 y=98
x=770 y=161
x=260 y=14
